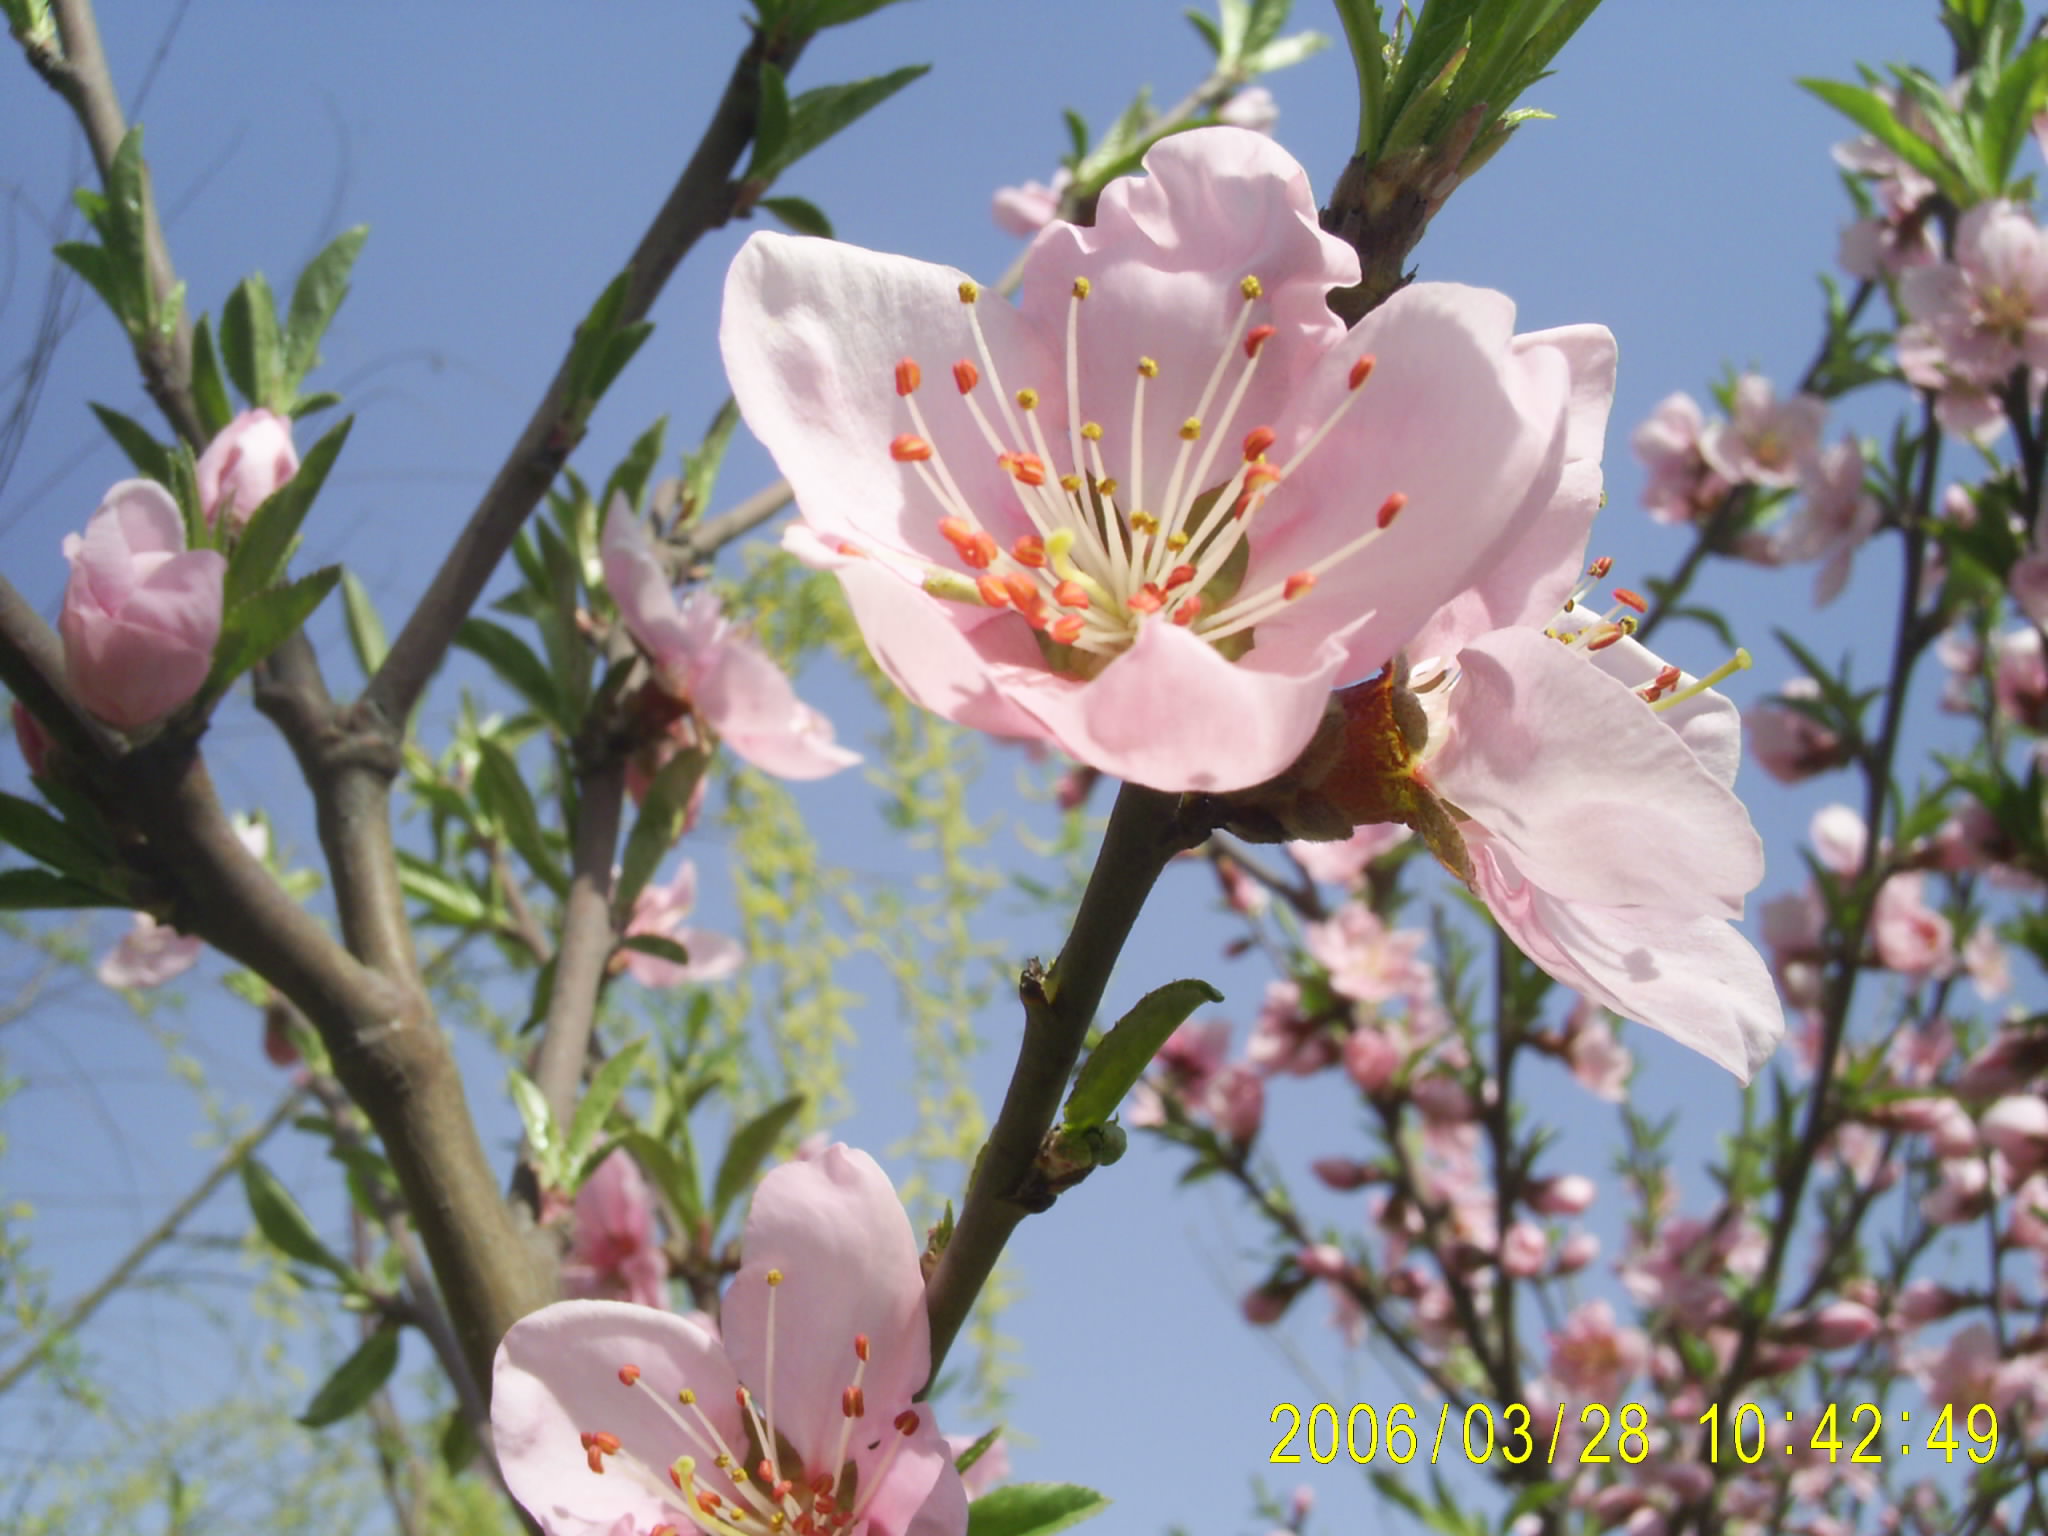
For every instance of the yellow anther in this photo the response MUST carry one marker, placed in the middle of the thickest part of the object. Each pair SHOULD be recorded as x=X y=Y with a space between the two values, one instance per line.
x=1092 y=430
x=1071 y=484
x=1107 y=487
x=1191 y=429
x=970 y=290
x=1144 y=522
x=686 y=1397
x=773 y=1277
x=1176 y=541
x=1251 y=287
x=1028 y=398
x=1148 y=367
x=1081 y=286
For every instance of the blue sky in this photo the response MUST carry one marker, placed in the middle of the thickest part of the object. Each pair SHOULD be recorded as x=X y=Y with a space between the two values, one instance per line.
x=1683 y=196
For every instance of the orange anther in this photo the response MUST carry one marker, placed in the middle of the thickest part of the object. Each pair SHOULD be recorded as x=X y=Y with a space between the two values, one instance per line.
x=1297 y=584
x=1667 y=677
x=1068 y=629
x=966 y=375
x=908 y=377
x=1256 y=475
x=860 y=1348
x=1179 y=576
x=1022 y=589
x=1599 y=568
x=1362 y=369
x=852 y=1403
x=1391 y=508
x=595 y=1460
x=1148 y=599
x=909 y=448
x=708 y=1502
x=1070 y=594
x=1257 y=441
x=993 y=592
x=629 y=1374
x=1188 y=611
x=1028 y=468
x=974 y=547
x=906 y=1422
x=1613 y=633
x=1256 y=338
x=1629 y=599
x=1029 y=550
x=607 y=1443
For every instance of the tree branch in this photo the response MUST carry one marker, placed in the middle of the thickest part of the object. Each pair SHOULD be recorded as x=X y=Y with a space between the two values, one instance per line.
x=587 y=939
x=702 y=200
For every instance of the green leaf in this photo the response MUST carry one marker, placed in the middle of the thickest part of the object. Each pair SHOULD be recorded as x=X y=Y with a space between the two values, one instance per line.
x=819 y=115
x=151 y=459
x=1032 y=1509
x=91 y=263
x=260 y=624
x=356 y=1380
x=284 y=1224
x=43 y=837
x=121 y=230
x=209 y=389
x=251 y=345
x=36 y=890
x=979 y=1449
x=805 y=218
x=748 y=1150
x=542 y=1139
x=501 y=791
x=1210 y=34
x=657 y=945
x=606 y=1084
x=1115 y=1066
x=700 y=468
x=771 y=124
x=617 y=352
x=516 y=664
x=449 y=901
x=315 y=298
x=1870 y=112
x=657 y=827
x=365 y=629
x=631 y=475
x=266 y=540
x=673 y=1173
x=320 y=400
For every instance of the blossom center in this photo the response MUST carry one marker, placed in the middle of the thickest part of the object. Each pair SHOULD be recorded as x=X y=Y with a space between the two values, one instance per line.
x=1117 y=543
x=761 y=1483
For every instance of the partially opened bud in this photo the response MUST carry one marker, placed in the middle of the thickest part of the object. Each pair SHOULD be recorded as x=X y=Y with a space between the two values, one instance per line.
x=244 y=465
x=142 y=612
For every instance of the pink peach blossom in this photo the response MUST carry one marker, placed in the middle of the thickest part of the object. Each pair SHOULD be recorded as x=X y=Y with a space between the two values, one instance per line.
x=660 y=911
x=2018 y=1127
x=150 y=953
x=1341 y=863
x=699 y=656
x=1977 y=318
x=1789 y=743
x=991 y=1467
x=827 y=1312
x=1367 y=961
x=1835 y=519
x=1128 y=521
x=1911 y=937
x=1284 y=1039
x=616 y=1255
x=1594 y=1355
x=1025 y=210
x=244 y=465
x=1766 y=441
x=1596 y=1056
x=2019 y=678
x=1371 y=1058
x=1568 y=1194
x=1253 y=108
x=1681 y=487
x=1524 y=1249
x=141 y=612
x=1235 y=1103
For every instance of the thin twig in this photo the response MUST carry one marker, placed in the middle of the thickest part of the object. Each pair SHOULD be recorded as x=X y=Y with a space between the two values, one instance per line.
x=587 y=938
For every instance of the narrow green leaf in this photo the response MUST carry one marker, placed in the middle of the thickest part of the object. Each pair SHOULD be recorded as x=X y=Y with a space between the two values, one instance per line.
x=122 y=229
x=501 y=791
x=636 y=466
x=1032 y=1509
x=606 y=1084
x=151 y=459
x=516 y=664
x=617 y=353
x=266 y=540
x=657 y=945
x=355 y=1381
x=806 y=218
x=283 y=1223
x=91 y=263
x=819 y=115
x=306 y=405
x=700 y=467
x=449 y=901
x=1210 y=34
x=315 y=298
x=43 y=837
x=976 y=1451
x=365 y=629
x=748 y=1150
x=254 y=350
x=209 y=389
x=260 y=624
x=1870 y=112
x=1115 y=1065
x=542 y=1139
x=771 y=124
x=657 y=827
x=673 y=1172
x=592 y=333
x=37 y=890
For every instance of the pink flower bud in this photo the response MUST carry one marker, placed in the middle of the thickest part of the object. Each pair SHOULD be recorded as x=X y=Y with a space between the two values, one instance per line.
x=1236 y=1102
x=33 y=740
x=1341 y=1173
x=1442 y=1100
x=1566 y=1195
x=1371 y=1059
x=2018 y=1127
x=245 y=464
x=1576 y=1252
x=1925 y=1301
x=1325 y=1261
x=1791 y=745
x=141 y=613
x=1837 y=1325
x=1267 y=1305
x=1523 y=1249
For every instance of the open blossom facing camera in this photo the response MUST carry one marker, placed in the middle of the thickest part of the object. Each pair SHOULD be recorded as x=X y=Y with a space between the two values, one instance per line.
x=798 y=1415
x=703 y=660
x=142 y=612
x=1155 y=512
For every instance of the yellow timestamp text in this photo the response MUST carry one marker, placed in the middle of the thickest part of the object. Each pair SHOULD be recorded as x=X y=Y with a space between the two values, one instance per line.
x=1747 y=1432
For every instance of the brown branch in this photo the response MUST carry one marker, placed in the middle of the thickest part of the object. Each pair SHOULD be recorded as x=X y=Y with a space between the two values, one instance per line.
x=703 y=199
x=699 y=543
x=587 y=939
x=78 y=73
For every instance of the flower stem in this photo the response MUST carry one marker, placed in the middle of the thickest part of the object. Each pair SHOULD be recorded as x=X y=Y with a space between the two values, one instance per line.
x=1145 y=831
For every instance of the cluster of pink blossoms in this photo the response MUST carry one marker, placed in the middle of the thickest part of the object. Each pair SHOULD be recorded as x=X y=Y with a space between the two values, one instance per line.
x=1771 y=447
